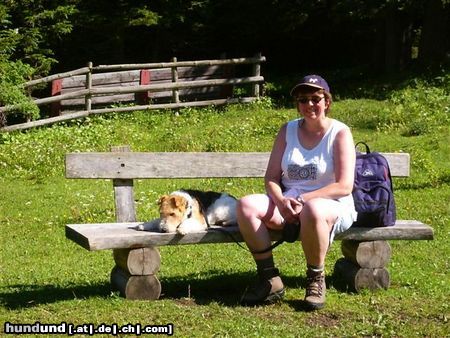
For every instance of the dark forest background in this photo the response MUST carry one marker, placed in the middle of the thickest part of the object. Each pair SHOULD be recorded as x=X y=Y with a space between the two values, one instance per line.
x=386 y=35
x=351 y=42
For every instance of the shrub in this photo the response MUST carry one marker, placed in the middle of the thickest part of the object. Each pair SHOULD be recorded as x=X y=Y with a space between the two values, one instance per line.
x=12 y=76
x=419 y=109
x=361 y=113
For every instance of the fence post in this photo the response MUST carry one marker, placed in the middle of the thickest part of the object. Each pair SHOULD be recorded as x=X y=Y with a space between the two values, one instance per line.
x=228 y=73
x=87 y=98
x=256 y=72
x=175 y=93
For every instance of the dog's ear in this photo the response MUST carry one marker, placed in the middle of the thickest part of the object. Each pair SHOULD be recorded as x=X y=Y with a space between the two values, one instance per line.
x=162 y=199
x=178 y=201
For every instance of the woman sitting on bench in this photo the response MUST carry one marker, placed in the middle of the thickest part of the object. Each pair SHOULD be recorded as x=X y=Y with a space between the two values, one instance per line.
x=309 y=180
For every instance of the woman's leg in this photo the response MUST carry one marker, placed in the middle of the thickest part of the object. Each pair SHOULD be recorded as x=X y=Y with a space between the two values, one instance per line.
x=317 y=220
x=254 y=214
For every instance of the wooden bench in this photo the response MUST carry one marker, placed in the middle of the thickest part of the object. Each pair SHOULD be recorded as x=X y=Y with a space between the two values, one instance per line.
x=366 y=252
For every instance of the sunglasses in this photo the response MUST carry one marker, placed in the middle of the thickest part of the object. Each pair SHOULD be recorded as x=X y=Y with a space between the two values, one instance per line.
x=306 y=99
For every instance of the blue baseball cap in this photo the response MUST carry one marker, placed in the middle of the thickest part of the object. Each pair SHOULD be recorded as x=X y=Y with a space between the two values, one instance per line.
x=315 y=81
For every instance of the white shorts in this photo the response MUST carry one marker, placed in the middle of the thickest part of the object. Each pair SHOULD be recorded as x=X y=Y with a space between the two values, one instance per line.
x=346 y=215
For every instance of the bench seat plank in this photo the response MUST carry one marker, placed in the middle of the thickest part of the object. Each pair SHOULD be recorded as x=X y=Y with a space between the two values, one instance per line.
x=103 y=236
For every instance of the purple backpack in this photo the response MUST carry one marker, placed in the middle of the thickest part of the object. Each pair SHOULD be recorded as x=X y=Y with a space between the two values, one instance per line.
x=373 y=191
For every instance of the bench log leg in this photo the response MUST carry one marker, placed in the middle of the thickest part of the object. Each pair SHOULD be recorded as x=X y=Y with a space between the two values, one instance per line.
x=364 y=265
x=134 y=275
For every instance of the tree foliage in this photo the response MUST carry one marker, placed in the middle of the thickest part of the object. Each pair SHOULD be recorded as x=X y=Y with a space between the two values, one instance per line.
x=12 y=75
x=385 y=36
x=29 y=28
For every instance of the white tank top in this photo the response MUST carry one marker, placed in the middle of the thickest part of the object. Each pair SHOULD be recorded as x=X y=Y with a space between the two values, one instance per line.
x=310 y=169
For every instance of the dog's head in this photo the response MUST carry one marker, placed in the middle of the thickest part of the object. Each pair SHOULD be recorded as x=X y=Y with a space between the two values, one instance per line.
x=173 y=210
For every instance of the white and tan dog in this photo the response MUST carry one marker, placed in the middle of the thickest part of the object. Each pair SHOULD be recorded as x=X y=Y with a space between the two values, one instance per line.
x=187 y=211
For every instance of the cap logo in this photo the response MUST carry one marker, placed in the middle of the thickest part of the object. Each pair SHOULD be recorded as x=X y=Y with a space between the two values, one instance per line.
x=313 y=80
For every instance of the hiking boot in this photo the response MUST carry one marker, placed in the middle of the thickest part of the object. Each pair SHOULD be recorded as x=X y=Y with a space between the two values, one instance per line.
x=315 y=289
x=266 y=290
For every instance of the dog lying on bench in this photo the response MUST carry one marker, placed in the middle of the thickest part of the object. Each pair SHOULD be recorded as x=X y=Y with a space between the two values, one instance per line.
x=187 y=211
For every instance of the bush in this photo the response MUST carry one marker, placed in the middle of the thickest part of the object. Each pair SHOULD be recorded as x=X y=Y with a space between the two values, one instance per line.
x=361 y=113
x=419 y=110
x=12 y=76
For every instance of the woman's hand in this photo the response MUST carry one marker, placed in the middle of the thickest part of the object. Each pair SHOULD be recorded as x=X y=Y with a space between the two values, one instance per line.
x=290 y=209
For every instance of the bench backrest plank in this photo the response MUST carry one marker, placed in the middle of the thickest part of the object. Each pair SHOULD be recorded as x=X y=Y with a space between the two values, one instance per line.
x=135 y=165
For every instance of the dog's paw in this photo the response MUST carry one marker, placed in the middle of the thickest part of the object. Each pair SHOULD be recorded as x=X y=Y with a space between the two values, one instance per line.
x=190 y=225
x=181 y=231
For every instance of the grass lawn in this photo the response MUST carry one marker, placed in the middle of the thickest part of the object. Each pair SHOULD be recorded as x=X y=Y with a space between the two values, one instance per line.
x=45 y=277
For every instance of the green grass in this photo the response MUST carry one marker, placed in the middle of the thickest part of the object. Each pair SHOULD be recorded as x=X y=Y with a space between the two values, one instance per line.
x=45 y=277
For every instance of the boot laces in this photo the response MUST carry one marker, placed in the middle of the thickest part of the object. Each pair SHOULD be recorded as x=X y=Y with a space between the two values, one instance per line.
x=314 y=285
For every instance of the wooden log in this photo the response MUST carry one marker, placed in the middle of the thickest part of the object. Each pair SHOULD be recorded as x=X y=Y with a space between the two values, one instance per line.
x=50 y=78
x=140 y=261
x=145 y=287
x=175 y=92
x=256 y=72
x=373 y=254
x=99 y=100
x=132 y=67
x=103 y=79
x=81 y=114
x=181 y=64
x=137 y=89
x=164 y=75
x=87 y=98
x=357 y=279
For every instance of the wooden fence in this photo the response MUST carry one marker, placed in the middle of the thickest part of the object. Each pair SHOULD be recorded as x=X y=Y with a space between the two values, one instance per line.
x=176 y=84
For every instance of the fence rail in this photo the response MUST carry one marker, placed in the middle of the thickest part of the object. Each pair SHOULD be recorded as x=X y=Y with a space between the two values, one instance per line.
x=92 y=91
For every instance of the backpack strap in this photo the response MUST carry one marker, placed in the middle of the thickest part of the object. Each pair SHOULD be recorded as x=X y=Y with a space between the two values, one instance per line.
x=291 y=232
x=364 y=144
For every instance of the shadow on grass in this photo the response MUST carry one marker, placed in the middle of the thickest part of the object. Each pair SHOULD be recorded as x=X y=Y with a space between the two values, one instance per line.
x=26 y=296
x=225 y=289
x=201 y=289
x=213 y=286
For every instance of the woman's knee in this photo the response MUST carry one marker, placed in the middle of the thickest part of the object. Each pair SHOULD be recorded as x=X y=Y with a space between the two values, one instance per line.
x=246 y=206
x=318 y=217
x=254 y=208
x=247 y=209
x=311 y=212
x=314 y=213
